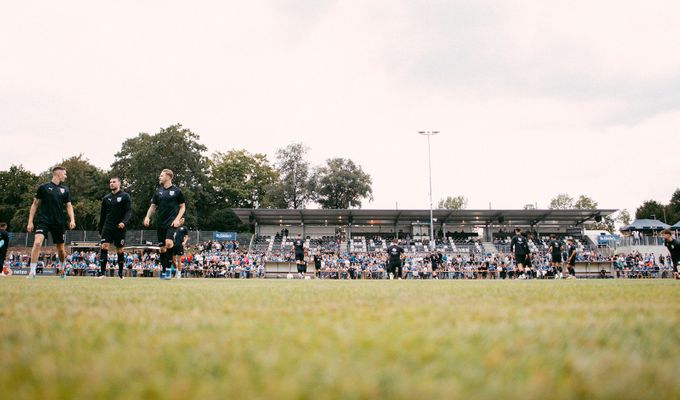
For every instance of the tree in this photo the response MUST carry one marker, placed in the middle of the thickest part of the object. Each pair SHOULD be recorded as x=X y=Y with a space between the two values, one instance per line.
x=17 y=188
x=585 y=203
x=650 y=209
x=341 y=184
x=562 y=202
x=142 y=158
x=453 y=203
x=294 y=189
x=241 y=179
x=529 y=206
x=673 y=208
x=623 y=217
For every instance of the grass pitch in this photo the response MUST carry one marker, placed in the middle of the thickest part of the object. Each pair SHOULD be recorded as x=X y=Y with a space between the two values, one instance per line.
x=146 y=338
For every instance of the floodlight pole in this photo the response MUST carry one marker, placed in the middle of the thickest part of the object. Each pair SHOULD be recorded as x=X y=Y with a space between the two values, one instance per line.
x=429 y=165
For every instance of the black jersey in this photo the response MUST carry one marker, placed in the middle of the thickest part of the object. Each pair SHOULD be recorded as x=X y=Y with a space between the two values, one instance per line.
x=116 y=208
x=52 y=199
x=395 y=253
x=167 y=201
x=519 y=245
x=4 y=244
x=674 y=248
x=572 y=255
x=298 y=245
x=555 y=247
x=180 y=234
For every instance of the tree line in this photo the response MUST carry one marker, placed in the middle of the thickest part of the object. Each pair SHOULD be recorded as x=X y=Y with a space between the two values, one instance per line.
x=212 y=185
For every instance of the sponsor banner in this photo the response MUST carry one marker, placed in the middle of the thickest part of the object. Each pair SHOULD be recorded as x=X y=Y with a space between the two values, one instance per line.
x=25 y=271
x=230 y=236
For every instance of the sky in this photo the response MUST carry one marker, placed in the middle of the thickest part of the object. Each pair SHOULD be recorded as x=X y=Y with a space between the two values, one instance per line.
x=531 y=98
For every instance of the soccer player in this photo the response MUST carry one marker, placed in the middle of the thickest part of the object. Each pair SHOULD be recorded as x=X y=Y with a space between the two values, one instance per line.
x=49 y=201
x=571 y=259
x=114 y=218
x=181 y=239
x=4 y=245
x=520 y=247
x=673 y=246
x=299 y=249
x=395 y=254
x=169 y=200
x=317 y=263
x=555 y=248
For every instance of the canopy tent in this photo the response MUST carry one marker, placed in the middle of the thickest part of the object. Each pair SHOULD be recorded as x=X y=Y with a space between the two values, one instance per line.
x=676 y=227
x=645 y=225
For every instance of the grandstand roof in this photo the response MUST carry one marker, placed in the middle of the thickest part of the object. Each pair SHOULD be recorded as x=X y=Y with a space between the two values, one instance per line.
x=646 y=225
x=264 y=216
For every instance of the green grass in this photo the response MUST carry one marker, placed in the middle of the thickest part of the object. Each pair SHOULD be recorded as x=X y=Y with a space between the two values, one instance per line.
x=146 y=338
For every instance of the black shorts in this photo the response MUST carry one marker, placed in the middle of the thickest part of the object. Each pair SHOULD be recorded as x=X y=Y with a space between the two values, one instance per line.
x=521 y=259
x=115 y=236
x=58 y=232
x=178 y=250
x=302 y=268
x=165 y=234
x=299 y=256
x=557 y=258
x=393 y=266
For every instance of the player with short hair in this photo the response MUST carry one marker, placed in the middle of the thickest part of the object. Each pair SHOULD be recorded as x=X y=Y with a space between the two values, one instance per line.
x=169 y=200
x=673 y=246
x=299 y=250
x=4 y=245
x=571 y=259
x=395 y=254
x=114 y=218
x=555 y=247
x=48 y=203
x=181 y=239
x=520 y=247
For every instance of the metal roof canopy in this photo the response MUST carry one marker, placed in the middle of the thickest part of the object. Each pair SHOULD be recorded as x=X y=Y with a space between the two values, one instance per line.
x=264 y=216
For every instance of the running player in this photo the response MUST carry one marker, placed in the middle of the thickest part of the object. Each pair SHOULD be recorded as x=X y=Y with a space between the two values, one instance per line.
x=395 y=254
x=571 y=259
x=169 y=200
x=4 y=245
x=673 y=246
x=49 y=201
x=113 y=221
x=299 y=249
x=520 y=247
x=555 y=247
x=181 y=239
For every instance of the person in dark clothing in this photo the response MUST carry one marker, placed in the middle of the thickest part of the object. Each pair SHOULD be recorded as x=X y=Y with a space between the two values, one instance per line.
x=49 y=203
x=169 y=200
x=180 y=240
x=571 y=260
x=395 y=254
x=520 y=247
x=299 y=250
x=673 y=246
x=4 y=245
x=114 y=218
x=555 y=247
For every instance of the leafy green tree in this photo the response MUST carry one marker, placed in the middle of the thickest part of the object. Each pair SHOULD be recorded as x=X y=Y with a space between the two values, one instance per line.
x=673 y=208
x=529 y=206
x=17 y=188
x=624 y=217
x=585 y=203
x=650 y=209
x=341 y=184
x=562 y=202
x=241 y=179
x=141 y=159
x=295 y=187
x=453 y=203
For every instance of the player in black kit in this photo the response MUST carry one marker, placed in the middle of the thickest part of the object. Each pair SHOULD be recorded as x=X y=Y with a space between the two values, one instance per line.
x=169 y=200
x=555 y=248
x=49 y=203
x=113 y=221
x=394 y=253
x=571 y=260
x=181 y=238
x=4 y=245
x=520 y=247
x=299 y=249
x=673 y=246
